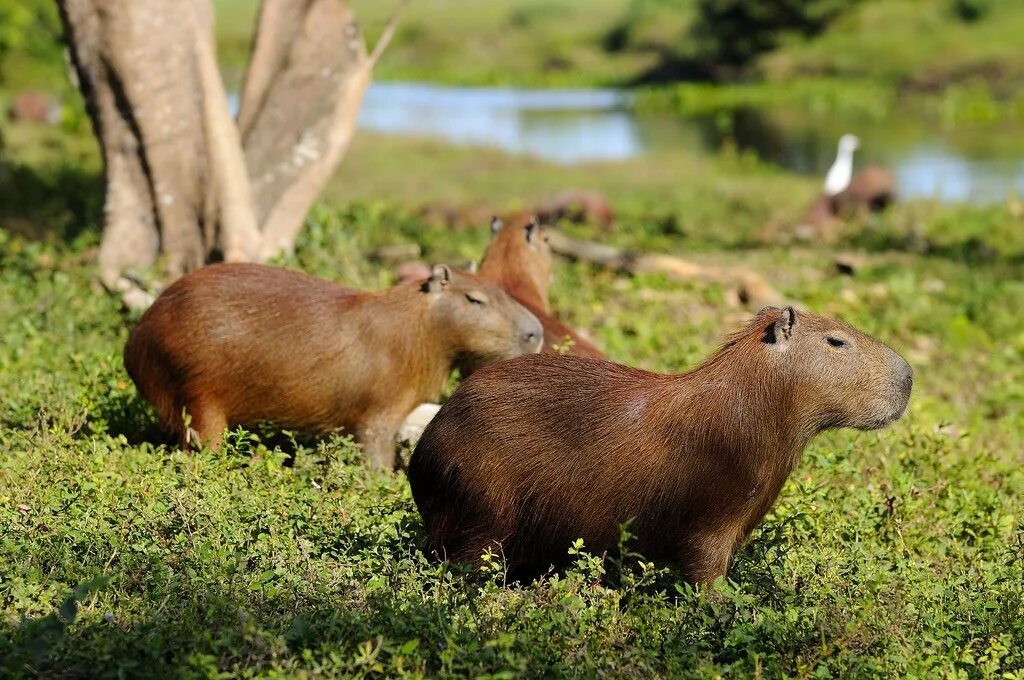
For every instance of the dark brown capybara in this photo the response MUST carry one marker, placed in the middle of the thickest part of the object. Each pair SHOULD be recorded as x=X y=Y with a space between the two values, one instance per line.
x=240 y=344
x=518 y=259
x=531 y=454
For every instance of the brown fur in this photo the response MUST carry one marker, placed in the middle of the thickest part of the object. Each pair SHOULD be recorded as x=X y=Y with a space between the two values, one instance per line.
x=519 y=260
x=531 y=454
x=873 y=189
x=239 y=344
x=32 y=106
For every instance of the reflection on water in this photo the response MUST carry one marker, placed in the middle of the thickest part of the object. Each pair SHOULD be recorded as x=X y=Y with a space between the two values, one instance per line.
x=577 y=126
x=564 y=126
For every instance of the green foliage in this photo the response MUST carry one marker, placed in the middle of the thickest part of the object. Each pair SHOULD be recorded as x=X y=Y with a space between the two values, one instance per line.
x=971 y=10
x=895 y=553
x=733 y=32
x=28 y=25
x=29 y=35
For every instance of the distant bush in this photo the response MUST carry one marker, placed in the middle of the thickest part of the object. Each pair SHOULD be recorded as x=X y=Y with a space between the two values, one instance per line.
x=29 y=29
x=971 y=10
x=732 y=32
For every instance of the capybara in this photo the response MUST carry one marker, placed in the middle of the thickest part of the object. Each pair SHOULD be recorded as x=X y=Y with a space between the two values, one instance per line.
x=518 y=259
x=239 y=344
x=531 y=454
x=872 y=189
x=33 y=106
x=577 y=205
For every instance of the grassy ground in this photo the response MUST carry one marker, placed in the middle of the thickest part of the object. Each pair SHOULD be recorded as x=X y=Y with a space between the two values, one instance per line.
x=913 y=45
x=891 y=553
x=897 y=553
x=921 y=45
x=467 y=41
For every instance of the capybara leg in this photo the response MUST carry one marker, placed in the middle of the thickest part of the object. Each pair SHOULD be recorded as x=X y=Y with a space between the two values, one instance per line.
x=205 y=428
x=709 y=556
x=378 y=442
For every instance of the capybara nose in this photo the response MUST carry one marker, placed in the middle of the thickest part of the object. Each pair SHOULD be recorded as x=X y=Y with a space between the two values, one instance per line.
x=531 y=335
x=907 y=374
x=904 y=378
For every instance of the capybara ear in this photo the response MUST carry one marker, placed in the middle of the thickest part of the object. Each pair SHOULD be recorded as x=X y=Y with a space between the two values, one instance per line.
x=785 y=325
x=496 y=224
x=532 y=229
x=440 y=277
x=780 y=331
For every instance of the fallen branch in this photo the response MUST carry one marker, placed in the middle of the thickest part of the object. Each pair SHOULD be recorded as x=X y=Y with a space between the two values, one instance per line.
x=751 y=288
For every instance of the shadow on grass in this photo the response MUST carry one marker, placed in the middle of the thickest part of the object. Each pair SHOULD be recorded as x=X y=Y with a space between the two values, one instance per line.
x=61 y=203
x=196 y=628
x=125 y=413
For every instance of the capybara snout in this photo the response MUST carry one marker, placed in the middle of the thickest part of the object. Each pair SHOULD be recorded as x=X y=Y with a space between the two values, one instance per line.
x=859 y=381
x=489 y=324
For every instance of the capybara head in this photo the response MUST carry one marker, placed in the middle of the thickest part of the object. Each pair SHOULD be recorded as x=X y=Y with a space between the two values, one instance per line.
x=840 y=377
x=483 y=320
x=518 y=256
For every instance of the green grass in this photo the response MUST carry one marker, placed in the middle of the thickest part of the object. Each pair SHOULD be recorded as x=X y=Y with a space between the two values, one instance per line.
x=896 y=553
x=892 y=553
x=913 y=44
x=901 y=45
x=478 y=42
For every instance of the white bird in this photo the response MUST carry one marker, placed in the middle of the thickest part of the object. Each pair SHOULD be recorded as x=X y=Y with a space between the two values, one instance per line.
x=839 y=175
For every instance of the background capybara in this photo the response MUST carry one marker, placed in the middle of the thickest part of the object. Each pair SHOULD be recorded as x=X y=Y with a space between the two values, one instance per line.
x=531 y=454
x=238 y=344
x=518 y=259
x=577 y=205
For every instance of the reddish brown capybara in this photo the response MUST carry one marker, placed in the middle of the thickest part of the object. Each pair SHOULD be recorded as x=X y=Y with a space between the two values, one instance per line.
x=518 y=259
x=531 y=454
x=240 y=344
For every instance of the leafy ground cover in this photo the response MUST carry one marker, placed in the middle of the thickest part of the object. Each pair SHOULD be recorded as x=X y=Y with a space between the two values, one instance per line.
x=897 y=553
x=892 y=553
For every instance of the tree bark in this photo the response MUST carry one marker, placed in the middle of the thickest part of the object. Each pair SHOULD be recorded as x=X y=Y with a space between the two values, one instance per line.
x=184 y=182
x=314 y=55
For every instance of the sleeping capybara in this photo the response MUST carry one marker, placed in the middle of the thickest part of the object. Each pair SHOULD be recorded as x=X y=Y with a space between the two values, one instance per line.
x=239 y=344
x=531 y=454
x=518 y=259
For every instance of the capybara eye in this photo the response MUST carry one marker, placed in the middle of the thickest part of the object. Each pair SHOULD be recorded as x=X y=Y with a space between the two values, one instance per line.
x=475 y=300
x=835 y=342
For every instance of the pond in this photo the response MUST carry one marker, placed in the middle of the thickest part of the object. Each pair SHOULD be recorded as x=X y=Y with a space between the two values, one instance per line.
x=981 y=165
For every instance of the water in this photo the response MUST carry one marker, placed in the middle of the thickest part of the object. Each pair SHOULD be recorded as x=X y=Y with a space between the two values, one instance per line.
x=577 y=126
x=563 y=126
x=572 y=126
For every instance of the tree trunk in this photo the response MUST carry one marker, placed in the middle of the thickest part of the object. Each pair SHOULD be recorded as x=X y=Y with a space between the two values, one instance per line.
x=185 y=184
x=291 y=149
